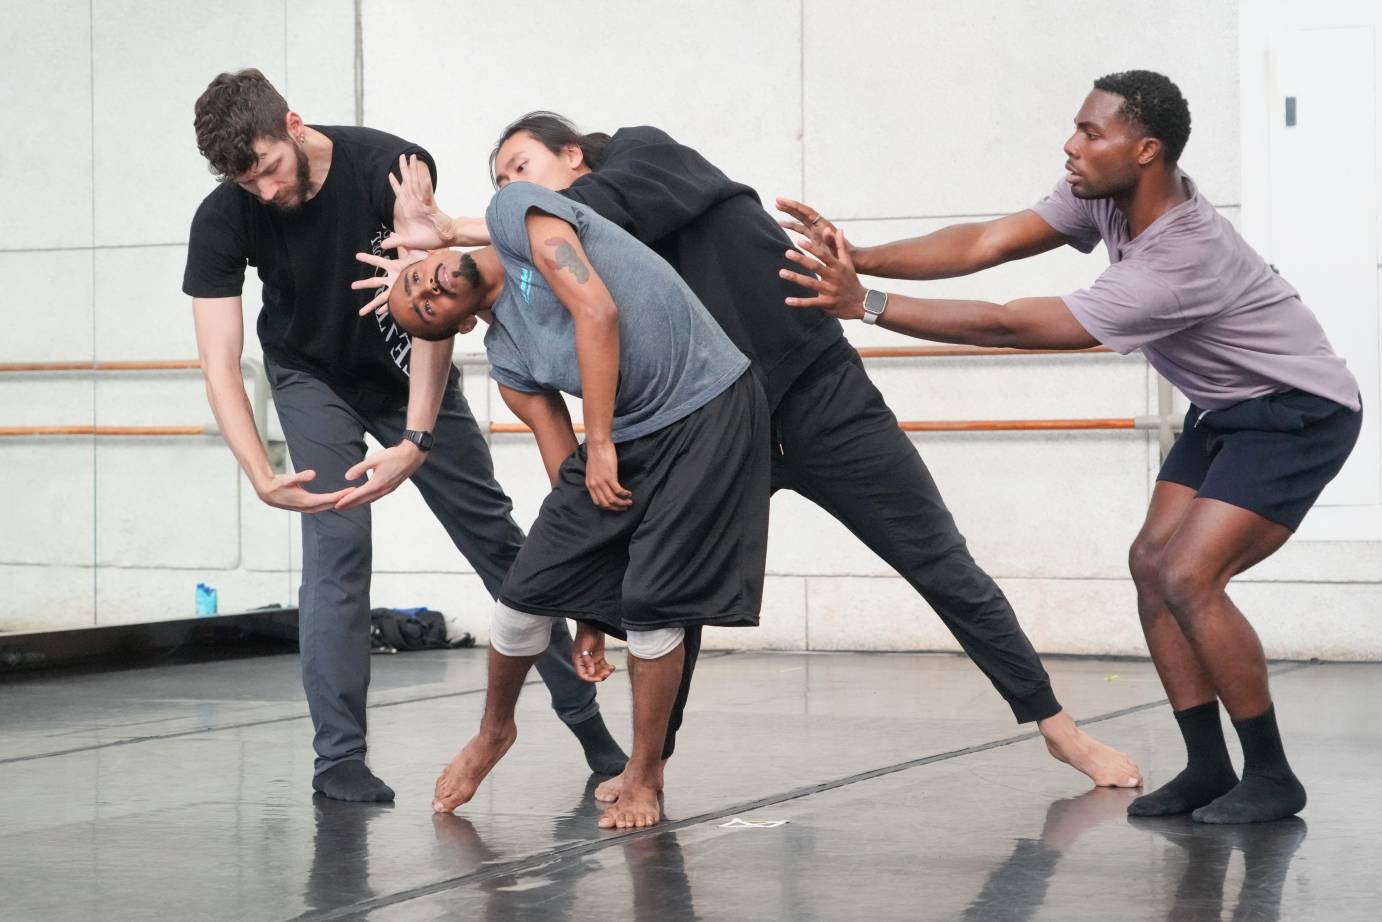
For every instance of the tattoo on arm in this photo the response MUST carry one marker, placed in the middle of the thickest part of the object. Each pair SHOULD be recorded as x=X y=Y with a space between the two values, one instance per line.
x=566 y=258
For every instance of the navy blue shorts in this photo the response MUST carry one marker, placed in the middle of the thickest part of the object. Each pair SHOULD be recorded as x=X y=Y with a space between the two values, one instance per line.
x=1270 y=455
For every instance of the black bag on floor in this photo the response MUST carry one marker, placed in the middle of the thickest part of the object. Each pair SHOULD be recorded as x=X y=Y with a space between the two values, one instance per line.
x=407 y=629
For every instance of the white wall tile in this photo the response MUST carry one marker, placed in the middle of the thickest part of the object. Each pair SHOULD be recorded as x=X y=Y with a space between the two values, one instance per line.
x=158 y=398
x=721 y=76
x=50 y=293
x=46 y=399
x=166 y=503
x=46 y=598
x=781 y=624
x=267 y=538
x=1029 y=504
x=141 y=312
x=45 y=102
x=1304 y=620
x=321 y=60
x=149 y=176
x=1059 y=616
x=939 y=108
x=46 y=493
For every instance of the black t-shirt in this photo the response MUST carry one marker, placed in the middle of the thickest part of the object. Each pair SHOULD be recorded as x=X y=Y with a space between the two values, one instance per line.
x=722 y=243
x=306 y=259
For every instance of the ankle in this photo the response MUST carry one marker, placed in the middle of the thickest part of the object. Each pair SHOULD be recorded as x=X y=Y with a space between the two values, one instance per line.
x=497 y=734
x=1059 y=728
x=642 y=774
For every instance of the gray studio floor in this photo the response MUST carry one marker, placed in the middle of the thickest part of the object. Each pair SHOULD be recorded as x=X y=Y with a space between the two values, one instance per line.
x=826 y=786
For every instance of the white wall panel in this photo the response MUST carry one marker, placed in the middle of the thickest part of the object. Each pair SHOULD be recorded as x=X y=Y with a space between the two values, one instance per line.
x=45 y=104
x=267 y=538
x=49 y=295
x=941 y=108
x=781 y=625
x=321 y=60
x=1029 y=504
x=151 y=61
x=722 y=76
x=897 y=118
x=134 y=595
x=47 y=598
x=160 y=505
x=46 y=495
x=46 y=399
x=141 y=312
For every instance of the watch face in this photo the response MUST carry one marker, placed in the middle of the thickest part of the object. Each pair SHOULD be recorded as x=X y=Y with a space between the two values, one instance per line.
x=874 y=301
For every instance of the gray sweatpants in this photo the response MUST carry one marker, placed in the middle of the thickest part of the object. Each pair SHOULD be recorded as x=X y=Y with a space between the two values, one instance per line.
x=325 y=433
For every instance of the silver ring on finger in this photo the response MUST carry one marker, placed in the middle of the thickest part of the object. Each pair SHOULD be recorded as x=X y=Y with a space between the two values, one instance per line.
x=816 y=220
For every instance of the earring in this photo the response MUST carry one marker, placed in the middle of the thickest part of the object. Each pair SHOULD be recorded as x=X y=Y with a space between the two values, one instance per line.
x=302 y=138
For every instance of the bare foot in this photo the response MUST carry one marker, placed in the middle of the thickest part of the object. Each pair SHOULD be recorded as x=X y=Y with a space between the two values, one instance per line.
x=608 y=791
x=458 y=782
x=1105 y=766
x=639 y=805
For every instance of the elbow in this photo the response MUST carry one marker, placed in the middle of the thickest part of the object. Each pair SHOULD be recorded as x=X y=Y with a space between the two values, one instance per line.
x=1003 y=329
x=601 y=314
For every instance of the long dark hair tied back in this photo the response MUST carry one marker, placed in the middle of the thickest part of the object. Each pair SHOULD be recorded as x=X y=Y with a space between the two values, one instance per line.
x=554 y=132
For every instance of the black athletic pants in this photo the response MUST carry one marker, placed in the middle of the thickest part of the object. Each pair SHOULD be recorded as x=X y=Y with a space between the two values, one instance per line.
x=836 y=443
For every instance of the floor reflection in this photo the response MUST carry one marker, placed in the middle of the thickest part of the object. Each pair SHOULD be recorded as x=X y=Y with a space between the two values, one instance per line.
x=339 y=874
x=1016 y=889
x=655 y=865
x=1267 y=850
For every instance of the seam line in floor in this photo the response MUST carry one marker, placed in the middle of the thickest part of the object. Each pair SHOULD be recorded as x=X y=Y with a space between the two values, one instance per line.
x=580 y=849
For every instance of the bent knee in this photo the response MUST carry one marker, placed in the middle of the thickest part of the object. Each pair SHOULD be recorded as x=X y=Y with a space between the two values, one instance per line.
x=655 y=644
x=517 y=633
x=1185 y=587
x=1144 y=562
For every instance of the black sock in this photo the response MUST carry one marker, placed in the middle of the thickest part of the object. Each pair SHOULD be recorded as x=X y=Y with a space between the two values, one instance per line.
x=352 y=780
x=1269 y=789
x=602 y=753
x=1208 y=772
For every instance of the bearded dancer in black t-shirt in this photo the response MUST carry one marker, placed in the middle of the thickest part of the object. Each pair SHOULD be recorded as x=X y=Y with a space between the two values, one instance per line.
x=297 y=202
x=835 y=441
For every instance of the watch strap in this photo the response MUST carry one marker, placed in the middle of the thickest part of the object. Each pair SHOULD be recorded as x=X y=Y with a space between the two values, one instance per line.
x=420 y=438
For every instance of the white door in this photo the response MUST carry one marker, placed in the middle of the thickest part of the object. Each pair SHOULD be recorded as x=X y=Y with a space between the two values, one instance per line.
x=1324 y=213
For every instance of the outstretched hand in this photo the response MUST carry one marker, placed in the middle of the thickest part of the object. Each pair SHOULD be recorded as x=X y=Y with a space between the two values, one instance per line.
x=286 y=491
x=806 y=221
x=836 y=284
x=389 y=468
x=379 y=303
x=418 y=223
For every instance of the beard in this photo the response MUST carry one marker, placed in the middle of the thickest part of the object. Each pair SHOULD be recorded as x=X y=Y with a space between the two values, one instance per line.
x=302 y=185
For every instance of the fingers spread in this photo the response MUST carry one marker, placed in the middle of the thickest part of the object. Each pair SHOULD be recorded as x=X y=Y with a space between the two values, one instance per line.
x=805 y=281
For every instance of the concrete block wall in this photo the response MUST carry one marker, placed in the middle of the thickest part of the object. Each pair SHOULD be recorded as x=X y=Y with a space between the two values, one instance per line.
x=893 y=117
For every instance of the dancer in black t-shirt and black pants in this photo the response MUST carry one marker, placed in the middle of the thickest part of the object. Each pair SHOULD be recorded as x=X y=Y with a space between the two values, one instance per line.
x=834 y=439
x=298 y=202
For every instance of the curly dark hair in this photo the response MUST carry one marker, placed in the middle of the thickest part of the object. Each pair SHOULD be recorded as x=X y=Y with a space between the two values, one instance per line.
x=1155 y=104
x=554 y=132
x=235 y=111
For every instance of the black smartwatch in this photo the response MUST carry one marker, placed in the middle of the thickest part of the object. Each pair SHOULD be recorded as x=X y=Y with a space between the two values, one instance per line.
x=419 y=438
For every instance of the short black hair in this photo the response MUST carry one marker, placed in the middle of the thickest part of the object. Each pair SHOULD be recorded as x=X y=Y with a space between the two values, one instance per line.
x=1155 y=104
